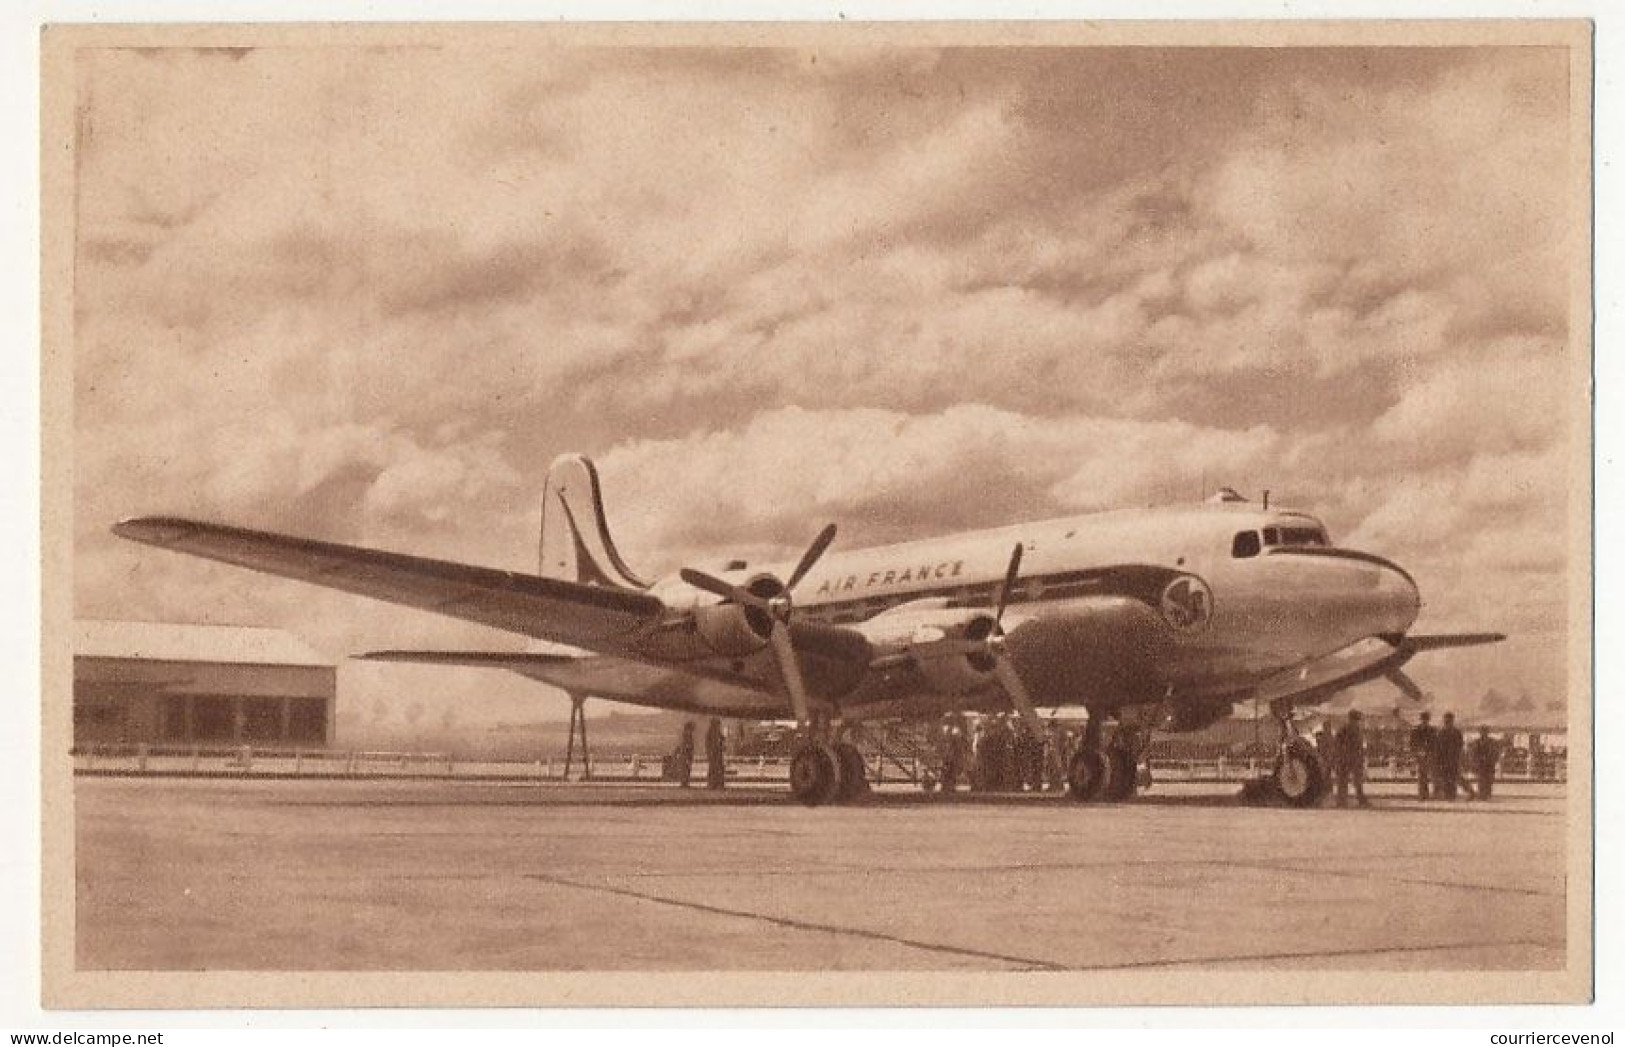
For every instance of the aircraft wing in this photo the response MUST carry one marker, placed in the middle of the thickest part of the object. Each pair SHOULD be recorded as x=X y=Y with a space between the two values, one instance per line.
x=1440 y=641
x=544 y=608
x=615 y=678
x=645 y=651
x=1360 y=662
x=1320 y=678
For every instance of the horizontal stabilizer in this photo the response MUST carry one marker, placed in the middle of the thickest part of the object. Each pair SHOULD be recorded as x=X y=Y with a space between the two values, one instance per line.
x=1440 y=641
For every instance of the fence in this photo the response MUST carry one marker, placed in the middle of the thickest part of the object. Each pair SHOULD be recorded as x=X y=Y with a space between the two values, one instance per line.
x=249 y=762
x=252 y=762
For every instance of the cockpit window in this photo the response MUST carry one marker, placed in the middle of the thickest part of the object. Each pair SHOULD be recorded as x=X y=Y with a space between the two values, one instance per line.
x=1302 y=536
x=1246 y=544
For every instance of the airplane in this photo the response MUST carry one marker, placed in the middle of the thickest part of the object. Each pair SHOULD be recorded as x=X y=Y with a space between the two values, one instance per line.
x=1158 y=619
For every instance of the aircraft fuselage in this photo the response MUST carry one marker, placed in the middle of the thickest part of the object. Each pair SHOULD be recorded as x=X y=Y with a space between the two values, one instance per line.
x=1225 y=595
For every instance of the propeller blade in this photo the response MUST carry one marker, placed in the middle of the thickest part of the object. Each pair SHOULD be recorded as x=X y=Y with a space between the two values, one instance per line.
x=1009 y=583
x=1398 y=678
x=712 y=584
x=1010 y=680
x=701 y=580
x=810 y=557
x=784 y=652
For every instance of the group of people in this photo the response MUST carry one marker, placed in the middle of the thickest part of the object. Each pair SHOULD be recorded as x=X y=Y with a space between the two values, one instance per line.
x=1003 y=753
x=1438 y=752
x=680 y=766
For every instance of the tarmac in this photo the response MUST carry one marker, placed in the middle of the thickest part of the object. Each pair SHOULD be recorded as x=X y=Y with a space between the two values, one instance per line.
x=178 y=874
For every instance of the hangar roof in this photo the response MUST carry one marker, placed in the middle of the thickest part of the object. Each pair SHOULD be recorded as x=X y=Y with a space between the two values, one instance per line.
x=177 y=642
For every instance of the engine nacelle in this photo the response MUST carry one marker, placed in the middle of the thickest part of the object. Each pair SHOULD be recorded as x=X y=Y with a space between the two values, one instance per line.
x=954 y=673
x=934 y=639
x=734 y=631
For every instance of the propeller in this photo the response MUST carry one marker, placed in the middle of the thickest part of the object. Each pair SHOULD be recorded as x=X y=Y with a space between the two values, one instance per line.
x=1004 y=670
x=778 y=608
x=1408 y=686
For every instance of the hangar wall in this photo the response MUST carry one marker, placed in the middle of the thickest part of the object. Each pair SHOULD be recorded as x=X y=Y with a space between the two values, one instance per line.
x=173 y=684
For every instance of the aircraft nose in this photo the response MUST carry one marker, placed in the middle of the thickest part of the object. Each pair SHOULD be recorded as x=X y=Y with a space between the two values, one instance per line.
x=1403 y=597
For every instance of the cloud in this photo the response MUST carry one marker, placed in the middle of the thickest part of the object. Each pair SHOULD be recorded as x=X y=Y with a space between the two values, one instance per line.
x=371 y=294
x=889 y=475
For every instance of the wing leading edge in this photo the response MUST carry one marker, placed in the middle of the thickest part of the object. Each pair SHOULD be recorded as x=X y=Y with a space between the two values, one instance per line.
x=544 y=608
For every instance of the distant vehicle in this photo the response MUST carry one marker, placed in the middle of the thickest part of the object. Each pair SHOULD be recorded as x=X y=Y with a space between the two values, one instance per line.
x=1160 y=618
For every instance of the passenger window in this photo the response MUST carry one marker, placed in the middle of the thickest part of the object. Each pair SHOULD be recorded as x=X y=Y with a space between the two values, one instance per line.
x=1245 y=545
x=1272 y=536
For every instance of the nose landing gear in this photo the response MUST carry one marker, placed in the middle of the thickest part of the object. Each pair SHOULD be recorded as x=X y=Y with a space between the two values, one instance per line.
x=1299 y=778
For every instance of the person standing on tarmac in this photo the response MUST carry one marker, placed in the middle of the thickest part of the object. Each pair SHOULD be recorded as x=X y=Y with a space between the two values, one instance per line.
x=1424 y=738
x=1326 y=749
x=1350 y=748
x=1447 y=757
x=954 y=749
x=716 y=755
x=979 y=762
x=1054 y=760
x=1029 y=758
x=1005 y=774
x=682 y=759
x=993 y=758
x=1484 y=753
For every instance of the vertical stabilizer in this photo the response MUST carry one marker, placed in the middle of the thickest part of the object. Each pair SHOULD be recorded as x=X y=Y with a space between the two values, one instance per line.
x=575 y=541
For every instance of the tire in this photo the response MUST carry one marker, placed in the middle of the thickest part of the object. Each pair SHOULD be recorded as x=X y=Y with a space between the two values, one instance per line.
x=815 y=775
x=1120 y=775
x=854 y=774
x=1086 y=775
x=1298 y=777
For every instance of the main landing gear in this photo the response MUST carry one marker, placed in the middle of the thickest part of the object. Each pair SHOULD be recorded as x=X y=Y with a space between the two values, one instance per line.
x=825 y=769
x=1299 y=778
x=1106 y=771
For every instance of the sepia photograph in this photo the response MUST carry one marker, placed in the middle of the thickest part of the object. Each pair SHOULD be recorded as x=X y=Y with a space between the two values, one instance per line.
x=697 y=514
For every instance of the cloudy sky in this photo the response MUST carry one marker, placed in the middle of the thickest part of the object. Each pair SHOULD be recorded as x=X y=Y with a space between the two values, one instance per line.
x=367 y=294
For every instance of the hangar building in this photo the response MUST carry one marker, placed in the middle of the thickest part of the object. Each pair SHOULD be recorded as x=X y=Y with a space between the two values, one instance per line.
x=163 y=683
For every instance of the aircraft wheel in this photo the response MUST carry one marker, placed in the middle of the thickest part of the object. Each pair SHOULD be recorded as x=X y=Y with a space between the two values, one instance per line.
x=1298 y=777
x=815 y=775
x=1120 y=774
x=854 y=774
x=1086 y=775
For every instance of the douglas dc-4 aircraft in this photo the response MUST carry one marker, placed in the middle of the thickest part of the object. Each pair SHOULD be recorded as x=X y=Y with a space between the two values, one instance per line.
x=1161 y=618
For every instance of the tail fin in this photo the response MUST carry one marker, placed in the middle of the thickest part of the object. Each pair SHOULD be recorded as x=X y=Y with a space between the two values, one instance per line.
x=575 y=542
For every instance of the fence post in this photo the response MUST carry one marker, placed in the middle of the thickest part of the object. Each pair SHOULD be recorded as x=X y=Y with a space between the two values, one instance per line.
x=141 y=757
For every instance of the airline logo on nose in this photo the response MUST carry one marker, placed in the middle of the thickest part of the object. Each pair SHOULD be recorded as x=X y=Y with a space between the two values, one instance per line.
x=1187 y=602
